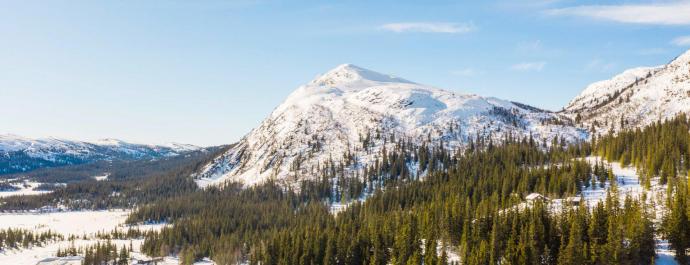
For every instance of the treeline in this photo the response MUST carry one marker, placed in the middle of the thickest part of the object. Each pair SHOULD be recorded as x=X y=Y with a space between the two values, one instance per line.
x=454 y=208
x=99 y=253
x=659 y=150
x=22 y=238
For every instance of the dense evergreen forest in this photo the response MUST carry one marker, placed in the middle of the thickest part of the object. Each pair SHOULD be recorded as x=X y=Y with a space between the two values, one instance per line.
x=466 y=205
x=129 y=183
x=461 y=205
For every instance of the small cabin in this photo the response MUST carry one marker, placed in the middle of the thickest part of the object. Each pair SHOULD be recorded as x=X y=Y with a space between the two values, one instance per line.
x=574 y=201
x=532 y=197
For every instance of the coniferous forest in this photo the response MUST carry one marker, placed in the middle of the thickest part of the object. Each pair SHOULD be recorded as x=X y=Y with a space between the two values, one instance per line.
x=463 y=206
x=468 y=207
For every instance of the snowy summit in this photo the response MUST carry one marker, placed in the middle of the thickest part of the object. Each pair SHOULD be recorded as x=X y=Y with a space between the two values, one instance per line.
x=635 y=98
x=338 y=111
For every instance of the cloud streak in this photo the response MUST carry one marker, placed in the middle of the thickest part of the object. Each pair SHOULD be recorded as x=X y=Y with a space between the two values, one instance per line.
x=681 y=41
x=429 y=27
x=669 y=13
x=529 y=66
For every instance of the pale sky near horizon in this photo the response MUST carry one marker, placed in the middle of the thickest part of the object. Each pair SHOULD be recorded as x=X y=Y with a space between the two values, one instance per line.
x=207 y=72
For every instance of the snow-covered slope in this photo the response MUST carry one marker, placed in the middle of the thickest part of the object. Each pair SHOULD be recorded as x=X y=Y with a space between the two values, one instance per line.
x=339 y=111
x=635 y=98
x=19 y=154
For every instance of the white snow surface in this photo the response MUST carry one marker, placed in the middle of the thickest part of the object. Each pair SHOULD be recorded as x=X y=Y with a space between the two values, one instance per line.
x=638 y=97
x=25 y=188
x=628 y=183
x=329 y=116
x=77 y=223
x=70 y=222
x=599 y=90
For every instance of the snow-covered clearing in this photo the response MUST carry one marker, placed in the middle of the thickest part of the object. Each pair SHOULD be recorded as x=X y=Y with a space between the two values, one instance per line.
x=101 y=178
x=629 y=185
x=77 y=223
x=66 y=223
x=24 y=188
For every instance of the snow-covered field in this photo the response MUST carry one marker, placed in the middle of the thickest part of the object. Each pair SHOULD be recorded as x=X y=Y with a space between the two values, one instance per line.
x=24 y=188
x=101 y=178
x=77 y=223
x=66 y=223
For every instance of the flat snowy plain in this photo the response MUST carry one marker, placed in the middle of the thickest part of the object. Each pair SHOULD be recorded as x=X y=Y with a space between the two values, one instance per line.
x=77 y=223
x=23 y=188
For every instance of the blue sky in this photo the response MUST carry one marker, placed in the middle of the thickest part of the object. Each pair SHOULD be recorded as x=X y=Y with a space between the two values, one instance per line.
x=206 y=72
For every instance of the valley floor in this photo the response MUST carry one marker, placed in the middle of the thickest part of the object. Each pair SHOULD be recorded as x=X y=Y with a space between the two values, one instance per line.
x=78 y=223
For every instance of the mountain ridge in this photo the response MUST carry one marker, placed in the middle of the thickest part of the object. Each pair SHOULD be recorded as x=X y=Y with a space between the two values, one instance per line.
x=337 y=113
x=635 y=98
x=21 y=154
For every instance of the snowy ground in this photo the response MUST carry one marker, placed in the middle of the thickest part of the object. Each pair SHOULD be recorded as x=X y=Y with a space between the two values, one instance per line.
x=66 y=223
x=629 y=184
x=24 y=188
x=71 y=223
x=101 y=177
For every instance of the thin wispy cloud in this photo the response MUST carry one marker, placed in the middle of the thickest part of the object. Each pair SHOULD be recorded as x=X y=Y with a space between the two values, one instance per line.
x=530 y=46
x=667 y=13
x=529 y=66
x=681 y=41
x=429 y=27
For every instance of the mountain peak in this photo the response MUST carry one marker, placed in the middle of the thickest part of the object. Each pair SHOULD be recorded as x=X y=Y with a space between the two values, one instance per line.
x=635 y=98
x=348 y=73
x=339 y=112
x=681 y=59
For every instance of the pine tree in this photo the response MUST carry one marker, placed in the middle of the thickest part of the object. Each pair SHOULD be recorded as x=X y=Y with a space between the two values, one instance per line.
x=573 y=253
x=677 y=224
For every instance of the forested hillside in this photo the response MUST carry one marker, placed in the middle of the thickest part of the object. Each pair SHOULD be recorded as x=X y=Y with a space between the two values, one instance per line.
x=458 y=205
x=465 y=208
x=128 y=183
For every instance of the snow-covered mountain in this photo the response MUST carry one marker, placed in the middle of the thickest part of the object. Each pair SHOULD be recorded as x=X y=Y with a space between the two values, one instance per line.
x=19 y=154
x=349 y=107
x=635 y=98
